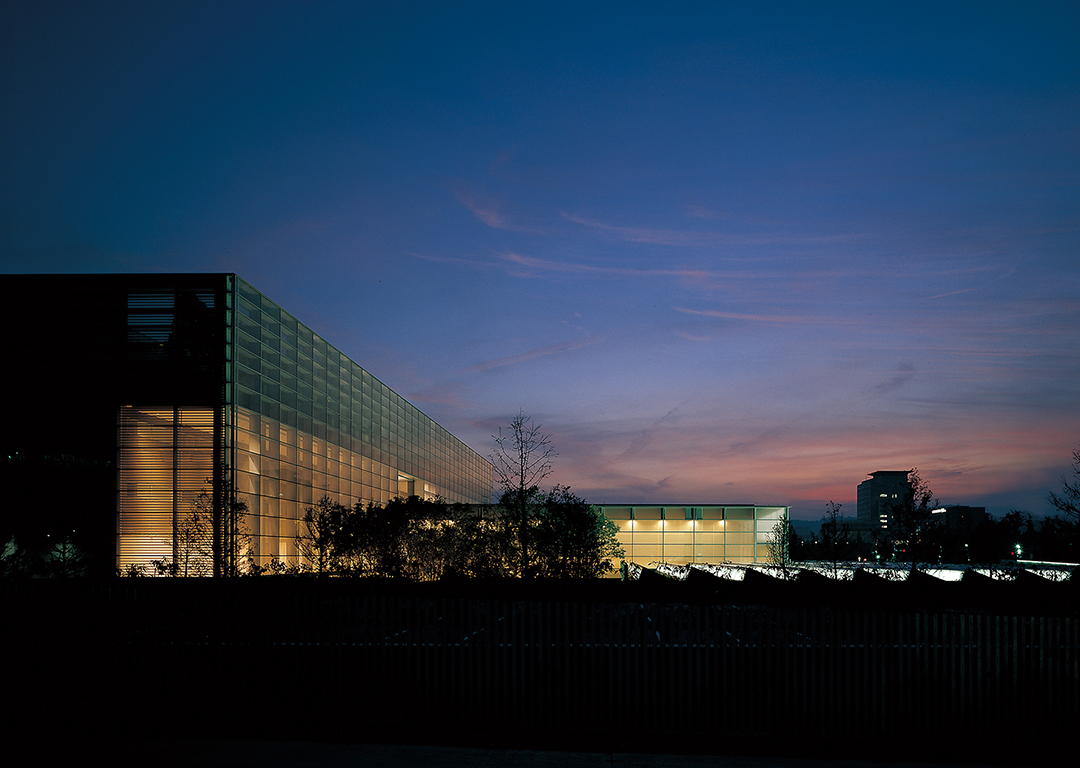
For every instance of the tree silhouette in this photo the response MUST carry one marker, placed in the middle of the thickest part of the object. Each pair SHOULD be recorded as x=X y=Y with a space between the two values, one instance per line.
x=913 y=533
x=319 y=540
x=522 y=459
x=835 y=543
x=1068 y=501
x=573 y=539
x=779 y=546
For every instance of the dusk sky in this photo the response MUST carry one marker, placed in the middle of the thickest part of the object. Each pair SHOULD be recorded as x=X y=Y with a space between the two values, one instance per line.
x=722 y=252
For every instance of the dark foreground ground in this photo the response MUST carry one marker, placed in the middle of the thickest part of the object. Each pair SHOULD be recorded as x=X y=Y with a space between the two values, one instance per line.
x=259 y=754
x=266 y=672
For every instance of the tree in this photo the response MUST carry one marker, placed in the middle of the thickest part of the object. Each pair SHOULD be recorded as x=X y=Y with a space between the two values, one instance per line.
x=193 y=550
x=835 y=542
x=1068 y=501
x=65 y=559
x=318 y=538
x=573 y=539
x=779 y=546
x=914 y=535
x=210 y=537
x=1018 y=530
x=1057 y=540
x=231 y=538
x=15 y=561
x=522 y=459
x=482 y=545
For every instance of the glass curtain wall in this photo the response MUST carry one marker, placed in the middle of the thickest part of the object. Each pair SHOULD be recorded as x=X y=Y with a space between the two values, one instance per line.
x=683 y=535
x=296 y=421
x=305 y=421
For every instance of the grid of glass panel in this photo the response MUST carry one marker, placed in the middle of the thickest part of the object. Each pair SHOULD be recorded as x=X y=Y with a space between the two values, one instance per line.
x=306 y=421
x=683 y=535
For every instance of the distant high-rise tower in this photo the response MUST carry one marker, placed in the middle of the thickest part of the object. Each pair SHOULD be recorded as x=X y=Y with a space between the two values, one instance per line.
x=877 y=495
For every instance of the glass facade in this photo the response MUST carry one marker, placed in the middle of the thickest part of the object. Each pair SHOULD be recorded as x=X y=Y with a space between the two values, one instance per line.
x=293 y=419
x=307 y=421
x=681 y=535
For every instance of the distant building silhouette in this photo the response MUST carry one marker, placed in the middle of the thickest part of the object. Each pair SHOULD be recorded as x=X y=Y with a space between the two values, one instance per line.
x=877 y=495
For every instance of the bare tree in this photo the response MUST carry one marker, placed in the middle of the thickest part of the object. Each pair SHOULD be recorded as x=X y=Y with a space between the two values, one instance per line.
x=193 y=550
x=835 y=542
x=523 y=455
x=913 y=533
x=1068 y=502
x=522 y=458
x=65 y=559
x=211 y=537
x=779 y=546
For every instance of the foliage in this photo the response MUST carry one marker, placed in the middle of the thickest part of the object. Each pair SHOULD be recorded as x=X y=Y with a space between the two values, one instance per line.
x=15 y=561
x=573 y=539
x=319 y=540
x=913 y=536
x=194 y=549
x=230 y=536
x=207 y=539
x=1058 y=540
x=779 y=546
x=133 y=570
x=64 y=559
x=484 y=545
x=410 y=538
x=61 y=558
x=993 y=540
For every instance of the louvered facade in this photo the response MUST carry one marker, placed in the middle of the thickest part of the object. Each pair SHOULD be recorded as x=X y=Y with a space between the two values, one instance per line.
x=173 y=386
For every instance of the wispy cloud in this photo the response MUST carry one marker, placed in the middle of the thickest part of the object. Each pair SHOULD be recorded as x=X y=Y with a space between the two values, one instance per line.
x=693 y=239
x=950 y=293
x=578 y=269
x=554 y=349
x=476 y=263
x=905 y=372
x=776 y=319
x=492 y=211
x=487 y=209
x=646 y=436
x=692 y=337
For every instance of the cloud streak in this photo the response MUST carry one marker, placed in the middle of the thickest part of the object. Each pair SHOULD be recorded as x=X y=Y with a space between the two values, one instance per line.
x=682 y=238
x=554 y=349
x=771 y=319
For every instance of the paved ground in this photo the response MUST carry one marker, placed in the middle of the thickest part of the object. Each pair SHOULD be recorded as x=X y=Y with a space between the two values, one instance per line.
x=261 y=754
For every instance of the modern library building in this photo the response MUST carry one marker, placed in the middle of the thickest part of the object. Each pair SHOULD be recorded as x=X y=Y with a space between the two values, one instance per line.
x=136 y=393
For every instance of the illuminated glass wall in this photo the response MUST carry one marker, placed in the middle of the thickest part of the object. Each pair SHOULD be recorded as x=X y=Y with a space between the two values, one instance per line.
x=307 y=421
x=295 y=418
x=680 y=535
x=166 y=457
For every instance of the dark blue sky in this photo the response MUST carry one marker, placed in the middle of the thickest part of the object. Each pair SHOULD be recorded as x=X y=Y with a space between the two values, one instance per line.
x=721 y=251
